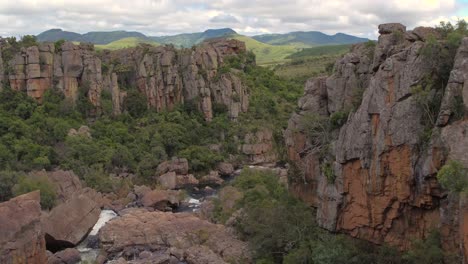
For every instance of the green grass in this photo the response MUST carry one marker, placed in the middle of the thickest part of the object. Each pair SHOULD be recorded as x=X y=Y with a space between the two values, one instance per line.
x=321 y=51
x=125 y=43
x=310 y=62
x=267 y=54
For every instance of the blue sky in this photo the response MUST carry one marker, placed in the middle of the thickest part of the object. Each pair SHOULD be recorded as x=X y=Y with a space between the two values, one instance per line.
x=167 y=17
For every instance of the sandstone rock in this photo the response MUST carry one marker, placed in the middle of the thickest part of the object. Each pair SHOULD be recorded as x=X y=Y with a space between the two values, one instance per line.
x=83 y=131
x=68 y=256
x=258 y=147
x=212 y=179
x=197 y=239
x=68 y=223
x=390 y=28
x=140 y=191
x=171 y=181
x=66 y=183
x=178 y=165
x=382 y=179
x=225 y=169
x=21 y=235
x=161 y=199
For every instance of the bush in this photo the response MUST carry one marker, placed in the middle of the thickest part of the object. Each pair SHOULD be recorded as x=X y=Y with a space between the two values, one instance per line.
x=454 y=177
x=28 y=184
x=426 y=251
x=8 y=179
x=201 y=159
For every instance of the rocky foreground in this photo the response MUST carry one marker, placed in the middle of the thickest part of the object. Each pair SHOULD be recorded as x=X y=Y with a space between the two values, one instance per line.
x=146 y=230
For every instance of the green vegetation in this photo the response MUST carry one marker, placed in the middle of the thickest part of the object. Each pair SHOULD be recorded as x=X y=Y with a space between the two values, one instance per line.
x=280 y=229
x=454 y=177
x=267 y=54
x=125 y=43
x=321 y=51
x=28 y=184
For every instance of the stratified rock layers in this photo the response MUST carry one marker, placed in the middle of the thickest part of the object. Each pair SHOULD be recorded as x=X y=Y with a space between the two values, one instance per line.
x=384 y=187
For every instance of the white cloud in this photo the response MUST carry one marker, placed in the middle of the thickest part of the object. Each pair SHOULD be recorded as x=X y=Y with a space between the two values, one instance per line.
x=162 y=17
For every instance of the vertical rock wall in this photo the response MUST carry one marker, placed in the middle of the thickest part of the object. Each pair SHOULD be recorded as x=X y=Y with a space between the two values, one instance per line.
x=384 y=187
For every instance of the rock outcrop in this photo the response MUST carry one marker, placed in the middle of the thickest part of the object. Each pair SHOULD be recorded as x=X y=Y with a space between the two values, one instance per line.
x=374 y=177
x=259 y=147
x=164 y=75
x=68 y=223
x=181 y=236
x=21 y=237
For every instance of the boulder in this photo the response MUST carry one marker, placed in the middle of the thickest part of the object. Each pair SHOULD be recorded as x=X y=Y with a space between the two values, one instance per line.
x=177 y=165
x=68 y=223
x=66 y=183
x=67 y=256
x=21 y=235
x=182 y=234
x=225 y=169
x=391 y=28
x=212 y=179
x=171 y=181
x=162 y=199
x=83 y=131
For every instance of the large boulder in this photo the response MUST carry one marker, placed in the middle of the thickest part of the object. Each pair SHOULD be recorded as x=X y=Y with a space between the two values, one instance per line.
x=21 y=237
x=68 y=223
x=67 y=256
x=66 y=183
x=171 y=181
x=177 y=165
x=161 y=200
x=187 y=237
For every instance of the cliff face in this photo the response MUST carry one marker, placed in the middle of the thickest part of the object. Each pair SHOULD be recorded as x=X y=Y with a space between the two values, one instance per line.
x=165 y=75
x=376 y=177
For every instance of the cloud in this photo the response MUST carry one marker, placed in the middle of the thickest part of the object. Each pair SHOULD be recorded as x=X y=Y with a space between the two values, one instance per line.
x=224 y=18
x=163 y=17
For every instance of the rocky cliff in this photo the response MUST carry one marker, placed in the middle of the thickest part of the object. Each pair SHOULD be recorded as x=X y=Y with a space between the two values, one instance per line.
x=164 y=75
x=365 y=153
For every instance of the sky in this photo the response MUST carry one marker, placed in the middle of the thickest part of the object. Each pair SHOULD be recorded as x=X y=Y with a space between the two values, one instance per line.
x=249 y=17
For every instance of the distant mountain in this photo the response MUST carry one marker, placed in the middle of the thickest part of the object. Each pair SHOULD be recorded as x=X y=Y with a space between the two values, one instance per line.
x=190 y=39
x=93 y=37
x=58 y=34
x=310 y=38
x=126 y=43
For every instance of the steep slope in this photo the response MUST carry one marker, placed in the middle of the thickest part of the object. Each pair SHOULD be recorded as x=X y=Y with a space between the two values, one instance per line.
x=165 y=75
x=126 y=43
x=372 y=173
x=311 y=38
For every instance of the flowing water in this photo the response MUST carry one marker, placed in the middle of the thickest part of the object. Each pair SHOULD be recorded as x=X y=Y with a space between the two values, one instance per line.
x=89 y=249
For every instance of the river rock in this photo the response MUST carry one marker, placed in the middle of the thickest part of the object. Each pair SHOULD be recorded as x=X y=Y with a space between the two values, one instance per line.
x=21 y=235
x=67 y=256
x=199 y=240
x=161 y=199
x=225 y=169
x=172 y=181
x=212 y=179
x=68 y=223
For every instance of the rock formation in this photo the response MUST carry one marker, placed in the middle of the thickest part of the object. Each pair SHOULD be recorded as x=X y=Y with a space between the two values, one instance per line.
x=182 y=236
x=374 y=177
x=164 y=75
x=21 y=237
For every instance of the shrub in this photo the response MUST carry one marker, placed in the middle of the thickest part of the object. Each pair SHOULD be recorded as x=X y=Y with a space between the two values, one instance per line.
x=338 y=119
x=327 y=170
x=28 y=184
x=8 y=179
x=426 y=251
x=201 y=159
x=135 y=103
x=453 y=176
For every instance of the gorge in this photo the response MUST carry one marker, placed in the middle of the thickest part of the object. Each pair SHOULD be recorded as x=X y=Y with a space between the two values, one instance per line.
x=134 y=130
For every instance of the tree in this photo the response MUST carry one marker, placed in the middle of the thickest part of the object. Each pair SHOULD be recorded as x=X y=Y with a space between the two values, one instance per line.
x=454 y=177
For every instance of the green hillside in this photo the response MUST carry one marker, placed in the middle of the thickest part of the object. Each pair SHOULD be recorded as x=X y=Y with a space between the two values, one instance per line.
x=125 y=43
x=190 y=39
x=267 y=54
x=310 y=38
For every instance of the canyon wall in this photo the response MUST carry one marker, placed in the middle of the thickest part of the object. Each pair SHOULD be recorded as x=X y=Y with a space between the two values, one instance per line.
x=164 y=75
x=374 y=178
